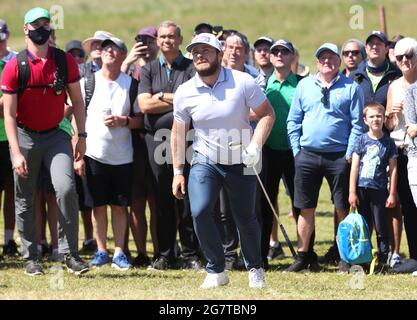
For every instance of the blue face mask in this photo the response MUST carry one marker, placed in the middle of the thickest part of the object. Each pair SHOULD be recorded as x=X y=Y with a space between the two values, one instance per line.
x=40 y=35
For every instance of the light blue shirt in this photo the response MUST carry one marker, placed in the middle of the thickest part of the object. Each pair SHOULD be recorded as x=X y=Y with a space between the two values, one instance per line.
x=326 y=127
x=220 y=114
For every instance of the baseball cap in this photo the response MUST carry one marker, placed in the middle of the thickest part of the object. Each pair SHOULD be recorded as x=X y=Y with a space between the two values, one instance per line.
x=74 y=44
x=35 y=14
x=98 y=36
x=205 y=38
x=283 y=43
x=148 y=31
x=3 y=30
x=119 y=43
x=379 y=35
x=266 y=39
x=329 y=47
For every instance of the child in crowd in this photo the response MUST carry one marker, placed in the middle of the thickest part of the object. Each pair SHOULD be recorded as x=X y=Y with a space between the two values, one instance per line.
x=373 y=152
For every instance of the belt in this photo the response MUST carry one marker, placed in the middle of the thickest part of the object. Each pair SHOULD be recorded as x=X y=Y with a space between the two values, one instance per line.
x=22 y=126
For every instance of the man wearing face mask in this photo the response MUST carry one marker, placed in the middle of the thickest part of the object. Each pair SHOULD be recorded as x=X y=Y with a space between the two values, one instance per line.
x=31 y=120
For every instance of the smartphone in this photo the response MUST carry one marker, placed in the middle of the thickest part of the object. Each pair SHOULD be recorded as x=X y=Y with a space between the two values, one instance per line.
x=142 y=38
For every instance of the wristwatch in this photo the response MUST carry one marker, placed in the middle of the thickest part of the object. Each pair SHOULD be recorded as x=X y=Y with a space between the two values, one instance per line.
x=82 y=135
x=160 y=95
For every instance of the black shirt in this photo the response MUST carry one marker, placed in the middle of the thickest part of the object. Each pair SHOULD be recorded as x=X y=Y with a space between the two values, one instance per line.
x=154 y=78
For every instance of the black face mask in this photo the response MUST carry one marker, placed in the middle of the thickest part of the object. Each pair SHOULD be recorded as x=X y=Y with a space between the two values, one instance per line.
x=40 y=35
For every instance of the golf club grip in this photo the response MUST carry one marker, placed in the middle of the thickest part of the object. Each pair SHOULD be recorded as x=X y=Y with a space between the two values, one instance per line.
x=287 y=240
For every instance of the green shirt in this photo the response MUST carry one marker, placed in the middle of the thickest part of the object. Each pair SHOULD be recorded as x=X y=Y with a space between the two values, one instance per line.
x=280 y=96
x=3 y=136
x=375 y=80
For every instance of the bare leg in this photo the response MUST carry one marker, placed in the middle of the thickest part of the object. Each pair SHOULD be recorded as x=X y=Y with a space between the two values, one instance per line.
x=99 y=218
x=138 y=224
x=88 y=224
x=119 y=223
x=52 y=216
x=305 y=228
x=152 y=209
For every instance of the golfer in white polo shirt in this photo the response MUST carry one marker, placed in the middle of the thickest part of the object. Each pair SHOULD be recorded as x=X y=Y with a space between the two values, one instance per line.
x=217 y=100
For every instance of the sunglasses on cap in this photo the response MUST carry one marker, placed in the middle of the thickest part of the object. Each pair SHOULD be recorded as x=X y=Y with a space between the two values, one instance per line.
x=350 y=52
x=408 y=56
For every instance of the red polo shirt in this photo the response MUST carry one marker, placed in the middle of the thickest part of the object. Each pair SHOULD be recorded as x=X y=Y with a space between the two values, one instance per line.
x=38 y=108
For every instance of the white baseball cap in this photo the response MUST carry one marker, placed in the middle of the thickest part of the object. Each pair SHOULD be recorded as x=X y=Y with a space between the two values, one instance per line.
x=205 y=38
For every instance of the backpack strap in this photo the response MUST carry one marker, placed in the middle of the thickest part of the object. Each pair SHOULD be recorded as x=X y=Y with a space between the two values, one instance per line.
x=61 y=64
x=133 y=92
x=89 y=85
x=23 y=71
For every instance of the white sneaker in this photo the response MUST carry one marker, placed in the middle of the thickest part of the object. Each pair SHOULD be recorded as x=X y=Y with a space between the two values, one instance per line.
x=257 y=278
x=395 y=260
x=214 y=280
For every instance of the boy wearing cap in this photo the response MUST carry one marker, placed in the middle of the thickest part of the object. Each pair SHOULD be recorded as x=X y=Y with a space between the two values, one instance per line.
x=215 y=164
x=324 y=121
x=31 y=121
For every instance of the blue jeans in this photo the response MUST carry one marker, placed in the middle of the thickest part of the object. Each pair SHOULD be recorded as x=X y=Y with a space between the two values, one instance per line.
x=205 y=181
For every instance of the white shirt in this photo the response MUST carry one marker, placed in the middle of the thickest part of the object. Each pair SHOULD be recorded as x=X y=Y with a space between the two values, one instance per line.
x=399 y=135
x=220 y=114
x=106 y=144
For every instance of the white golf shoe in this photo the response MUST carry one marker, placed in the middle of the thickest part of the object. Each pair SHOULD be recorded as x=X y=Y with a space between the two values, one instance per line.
x=214 y=280
x=257 y=278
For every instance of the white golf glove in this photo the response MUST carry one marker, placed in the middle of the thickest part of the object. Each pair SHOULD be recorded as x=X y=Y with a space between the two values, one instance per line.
x=251 y=155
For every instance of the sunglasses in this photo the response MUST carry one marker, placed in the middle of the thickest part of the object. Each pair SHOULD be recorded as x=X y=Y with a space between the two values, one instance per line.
x=325 y=98
x=408 y=56
x=350 y=52
x=113 y=47
x=283 y=51
x=266 y=50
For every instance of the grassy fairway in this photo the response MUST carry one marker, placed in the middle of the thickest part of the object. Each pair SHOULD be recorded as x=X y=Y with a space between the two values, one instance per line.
x=106 y=283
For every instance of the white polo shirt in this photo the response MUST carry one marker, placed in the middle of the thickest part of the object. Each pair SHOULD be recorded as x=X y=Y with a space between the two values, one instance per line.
x=220 y=114
x=106 y=144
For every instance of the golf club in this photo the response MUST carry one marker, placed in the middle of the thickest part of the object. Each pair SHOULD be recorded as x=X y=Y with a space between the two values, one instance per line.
x=237 y=145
